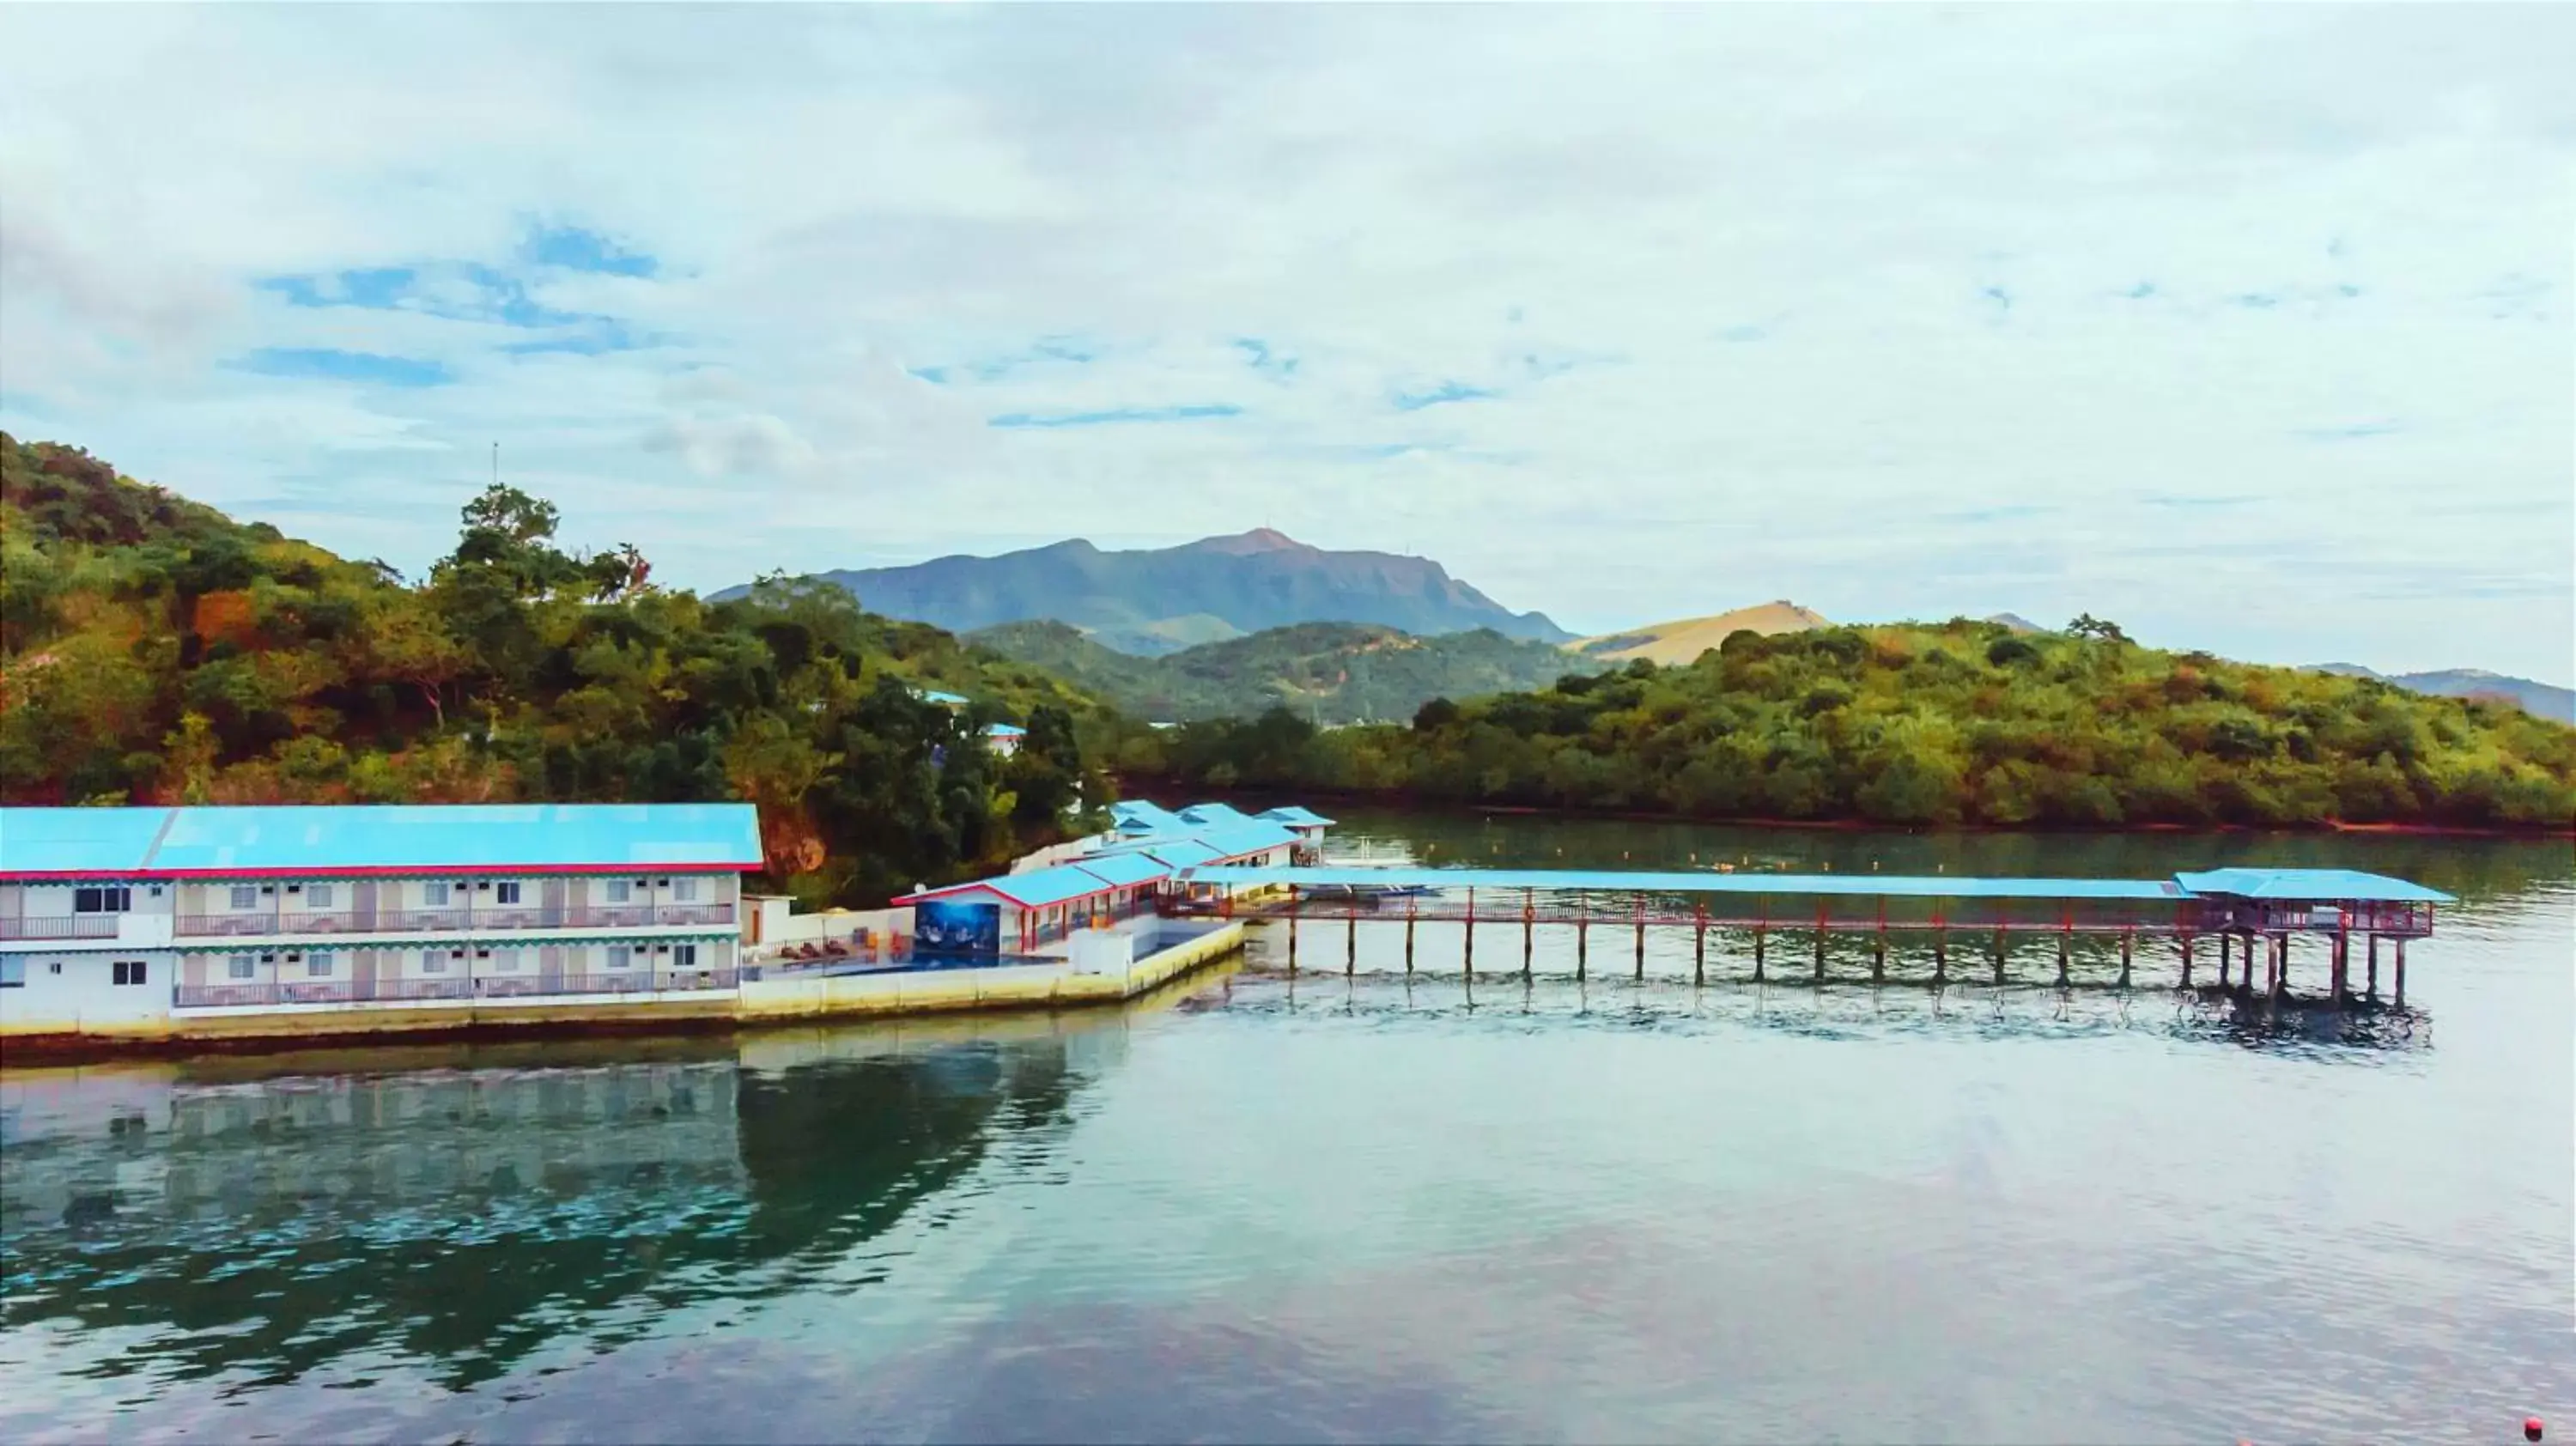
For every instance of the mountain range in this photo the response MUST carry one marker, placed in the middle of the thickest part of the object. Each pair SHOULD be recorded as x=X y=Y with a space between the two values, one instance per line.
x=1159 y=600
x=2540 y=699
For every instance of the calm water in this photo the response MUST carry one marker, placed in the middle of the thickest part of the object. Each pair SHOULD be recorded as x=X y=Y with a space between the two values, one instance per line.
x=1366 y=1209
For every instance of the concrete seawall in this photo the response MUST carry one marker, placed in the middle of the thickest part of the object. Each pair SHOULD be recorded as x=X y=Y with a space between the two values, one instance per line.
x=754 y=1002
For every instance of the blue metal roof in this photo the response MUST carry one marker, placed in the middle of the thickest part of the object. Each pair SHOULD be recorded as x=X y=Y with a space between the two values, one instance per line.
x=2322 y=885
x=1214 y=813
x=1178 y=853
x=1861 y=885
x=933 y=695
x=1126 y=870
x=142 y=842
x=1003 y=730
x=1248 y=836
x=1295 y=815
x=1036 y=889
x=78 y=840
x=1138 y=816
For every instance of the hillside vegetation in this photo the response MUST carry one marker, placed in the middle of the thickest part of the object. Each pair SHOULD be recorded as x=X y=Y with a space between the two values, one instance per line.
x=1324 y=672
x=154 y=650
x=1965 y=722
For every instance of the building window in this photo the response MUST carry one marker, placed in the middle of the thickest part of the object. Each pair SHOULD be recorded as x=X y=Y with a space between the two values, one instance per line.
x=620 y=891
x=507 y=961
x=245 y=896
x=241 y=966
x=684 y=891
x=433 y=961
x=13 y=973
x=131 y=971
x=102 y=899
x=684 y=956
x=318 y=896
x=505 y=893
x=620 y=957
x=433 y=895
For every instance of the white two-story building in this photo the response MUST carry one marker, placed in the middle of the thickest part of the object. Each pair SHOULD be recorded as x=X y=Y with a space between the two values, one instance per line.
x=119 y=916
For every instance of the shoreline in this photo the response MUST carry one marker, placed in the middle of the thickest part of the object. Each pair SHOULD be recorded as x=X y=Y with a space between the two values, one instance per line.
x=1268 y=796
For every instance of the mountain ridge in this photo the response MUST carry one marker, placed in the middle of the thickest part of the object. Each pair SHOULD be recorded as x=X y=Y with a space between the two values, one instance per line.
x=1151 y=601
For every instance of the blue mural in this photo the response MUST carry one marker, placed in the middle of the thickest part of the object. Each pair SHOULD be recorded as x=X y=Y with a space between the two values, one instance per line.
x=944 y=926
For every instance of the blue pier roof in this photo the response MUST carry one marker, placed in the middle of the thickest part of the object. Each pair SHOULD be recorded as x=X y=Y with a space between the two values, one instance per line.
x=389 y=838
x=1126 y=870
x=2320 y=885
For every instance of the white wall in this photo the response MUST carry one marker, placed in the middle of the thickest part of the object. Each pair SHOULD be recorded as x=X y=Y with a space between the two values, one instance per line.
x=67 y=990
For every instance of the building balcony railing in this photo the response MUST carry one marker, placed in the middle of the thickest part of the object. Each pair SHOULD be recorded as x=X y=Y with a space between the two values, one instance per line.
x=414 y=921
x=66 y=926
x=353 y=991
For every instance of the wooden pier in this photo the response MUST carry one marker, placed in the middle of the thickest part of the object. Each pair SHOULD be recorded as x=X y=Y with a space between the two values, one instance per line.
x=2242 y=911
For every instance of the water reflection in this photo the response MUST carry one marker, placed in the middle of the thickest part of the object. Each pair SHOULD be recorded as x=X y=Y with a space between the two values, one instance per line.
x=465 y=1207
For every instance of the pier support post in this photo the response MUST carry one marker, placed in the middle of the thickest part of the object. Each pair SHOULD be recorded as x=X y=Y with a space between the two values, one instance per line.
x=2280 y=965
x=2186 y=961
x=1350 y=944
x=2374 y=966
x=1641 y=941
x=1878 y=956
x=1529 y=912
x=2342 y=967
x=1408 y=936
x=1757 y=958
x=1820 y=956
x=2225 y=941
x=1940 y=954
x=1292 y=928
x=2128 y=946
x=1699 y=944
x=2065 y=951
x=2401 y=973
x=1999 y=954
x=1471 y=933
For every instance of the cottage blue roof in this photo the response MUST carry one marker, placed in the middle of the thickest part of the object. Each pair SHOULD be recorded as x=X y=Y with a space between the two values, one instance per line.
x=1296 y=816
x=1214 y=813
x=1004 y=730
x=1179 y=853
x=379 y=838
x=1126 y=870
x=1249 y=836
x=1036 y=889
x=2320 y=885
x=1136 y=815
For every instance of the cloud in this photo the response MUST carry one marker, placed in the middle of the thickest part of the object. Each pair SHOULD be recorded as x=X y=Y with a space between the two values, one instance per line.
x=1198 y=412
x=326 y=364
x=901 y=277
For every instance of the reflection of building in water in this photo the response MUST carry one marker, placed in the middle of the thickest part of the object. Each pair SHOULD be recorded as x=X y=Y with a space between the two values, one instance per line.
x=461 y=1215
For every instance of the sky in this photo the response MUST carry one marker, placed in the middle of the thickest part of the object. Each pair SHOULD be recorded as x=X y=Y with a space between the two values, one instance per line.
x=2246 y=327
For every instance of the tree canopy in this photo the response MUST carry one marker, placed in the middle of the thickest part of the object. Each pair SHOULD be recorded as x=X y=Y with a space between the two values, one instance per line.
x=154 y=650
x=1958 y=723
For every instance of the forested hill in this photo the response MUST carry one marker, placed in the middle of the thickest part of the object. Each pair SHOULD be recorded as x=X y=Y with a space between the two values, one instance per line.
x=1324 y=672
x=1959 y=723
x=155 y=650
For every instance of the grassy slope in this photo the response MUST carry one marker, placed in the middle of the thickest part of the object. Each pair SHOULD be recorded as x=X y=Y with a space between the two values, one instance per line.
x=1328 y=672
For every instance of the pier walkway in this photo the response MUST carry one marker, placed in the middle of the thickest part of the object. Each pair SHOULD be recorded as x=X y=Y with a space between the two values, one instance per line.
x=2239 y=908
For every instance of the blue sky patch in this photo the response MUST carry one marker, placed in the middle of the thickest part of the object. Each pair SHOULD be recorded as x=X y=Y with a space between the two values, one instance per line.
x=1197 y=412
x=1258 y=355
x=1071 y=350
x=576 y=249
x=2380 y=428
x=327 y=364
x=1447 y=391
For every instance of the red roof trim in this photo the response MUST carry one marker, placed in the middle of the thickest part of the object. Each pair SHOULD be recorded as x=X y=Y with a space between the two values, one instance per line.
x=372 y=871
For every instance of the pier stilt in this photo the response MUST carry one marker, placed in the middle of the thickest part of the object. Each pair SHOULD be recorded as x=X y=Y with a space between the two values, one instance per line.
x=1641 y=941
x=1878 y=957
x=1292 y=928
x=1471 y=933
x=2342 y=967
x=1408 y=938
x=2224 y=950
x=1350 y=944
x=2401 y=973
x=2065 y=952
x=1757 y=958
x=2280 y=965
x=1999 y=956
x=2128 y=946
x=1820 y=956
x=1582 y=947
x=2186 y=961
x=1699 y=945
x=1528 y=912
x=2374 y=966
